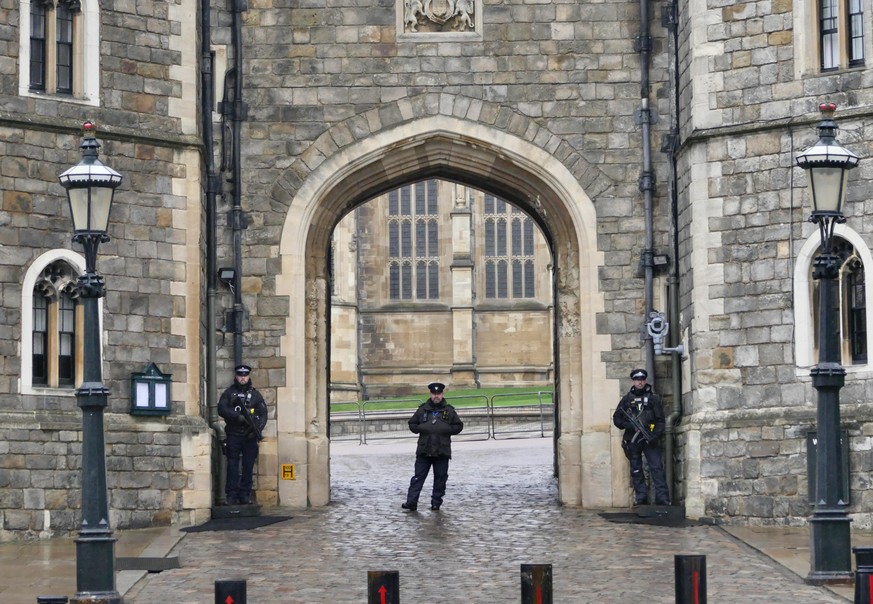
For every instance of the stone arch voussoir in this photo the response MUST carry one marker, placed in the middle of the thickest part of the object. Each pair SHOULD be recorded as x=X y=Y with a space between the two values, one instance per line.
x=390 y=115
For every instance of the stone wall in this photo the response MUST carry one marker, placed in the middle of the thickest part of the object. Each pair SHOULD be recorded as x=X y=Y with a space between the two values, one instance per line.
x=561 y=81
x=158 y=468
x=750 y=88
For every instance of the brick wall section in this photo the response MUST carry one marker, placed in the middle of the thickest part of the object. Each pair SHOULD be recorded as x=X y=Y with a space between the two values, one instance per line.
x=568 y=70
x=144 y=268
x=746 y=115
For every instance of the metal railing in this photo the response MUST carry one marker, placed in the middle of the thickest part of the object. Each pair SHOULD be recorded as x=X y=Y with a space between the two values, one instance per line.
x=511 y=417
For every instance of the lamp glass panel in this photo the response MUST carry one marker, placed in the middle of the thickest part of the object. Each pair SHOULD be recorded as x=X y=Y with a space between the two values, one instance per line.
x=101 y=201
x=79 y=207
x=826 y=183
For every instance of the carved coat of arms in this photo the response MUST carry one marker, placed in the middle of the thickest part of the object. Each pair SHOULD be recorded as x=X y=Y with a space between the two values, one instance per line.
x=439 y=12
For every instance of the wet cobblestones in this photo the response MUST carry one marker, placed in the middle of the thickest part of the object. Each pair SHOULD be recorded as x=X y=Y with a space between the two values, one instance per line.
x=500 y=511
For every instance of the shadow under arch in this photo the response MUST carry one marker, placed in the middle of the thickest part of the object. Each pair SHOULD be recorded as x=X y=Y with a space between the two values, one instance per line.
x=505 y=165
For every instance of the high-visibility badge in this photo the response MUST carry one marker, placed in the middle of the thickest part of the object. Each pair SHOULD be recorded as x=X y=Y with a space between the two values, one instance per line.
x=287 y=471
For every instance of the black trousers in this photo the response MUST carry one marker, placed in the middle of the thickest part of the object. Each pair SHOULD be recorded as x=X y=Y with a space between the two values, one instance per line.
x=423 y=465
x=242 y=453
x=655 y=459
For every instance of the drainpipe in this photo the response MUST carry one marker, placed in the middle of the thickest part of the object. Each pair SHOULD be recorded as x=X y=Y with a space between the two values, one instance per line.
x=670 y=20
x=643 y=44
x=234 y=110
x=213 y=189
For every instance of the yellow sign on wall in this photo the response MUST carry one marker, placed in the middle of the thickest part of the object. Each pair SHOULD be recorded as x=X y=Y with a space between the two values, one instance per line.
x=287 y=471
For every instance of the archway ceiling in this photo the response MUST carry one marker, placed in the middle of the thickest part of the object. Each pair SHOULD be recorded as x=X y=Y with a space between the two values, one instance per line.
x=448 y=156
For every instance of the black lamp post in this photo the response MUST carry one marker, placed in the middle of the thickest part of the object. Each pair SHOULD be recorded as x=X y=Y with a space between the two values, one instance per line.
x=827 y=164
x=90 y=187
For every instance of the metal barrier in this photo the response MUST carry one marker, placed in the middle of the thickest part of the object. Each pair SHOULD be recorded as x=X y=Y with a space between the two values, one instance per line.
x=364 y=421
x=354 y=415
x=476 y=418
x=535 y=418
x=380 y=424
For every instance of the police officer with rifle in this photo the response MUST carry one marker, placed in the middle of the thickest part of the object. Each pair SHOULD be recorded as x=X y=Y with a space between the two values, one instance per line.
x=245 y=414
x=641 y=416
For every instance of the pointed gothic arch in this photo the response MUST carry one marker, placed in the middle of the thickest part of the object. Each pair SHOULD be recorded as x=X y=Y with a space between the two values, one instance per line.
x=481 y=155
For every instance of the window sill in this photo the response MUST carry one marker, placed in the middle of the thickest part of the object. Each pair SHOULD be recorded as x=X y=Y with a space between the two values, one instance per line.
x=61 y=98
x=48 y=391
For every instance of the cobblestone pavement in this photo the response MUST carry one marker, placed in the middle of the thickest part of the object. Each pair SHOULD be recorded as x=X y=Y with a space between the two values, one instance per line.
x=500 y=512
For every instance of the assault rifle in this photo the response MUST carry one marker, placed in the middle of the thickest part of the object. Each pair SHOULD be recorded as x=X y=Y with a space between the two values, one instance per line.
x=249 y=420
x=642 y=432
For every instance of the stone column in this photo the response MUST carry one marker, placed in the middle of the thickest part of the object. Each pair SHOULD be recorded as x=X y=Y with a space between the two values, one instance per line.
x=463 y=372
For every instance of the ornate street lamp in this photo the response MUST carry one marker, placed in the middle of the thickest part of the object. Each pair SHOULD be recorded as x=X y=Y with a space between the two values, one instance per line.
x=90 y=187
x=827 y=164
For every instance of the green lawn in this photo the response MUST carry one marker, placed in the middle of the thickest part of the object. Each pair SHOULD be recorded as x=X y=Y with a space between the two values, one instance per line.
x=471 y=397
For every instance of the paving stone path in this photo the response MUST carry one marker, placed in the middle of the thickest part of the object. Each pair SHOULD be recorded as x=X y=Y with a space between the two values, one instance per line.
x=500 y=512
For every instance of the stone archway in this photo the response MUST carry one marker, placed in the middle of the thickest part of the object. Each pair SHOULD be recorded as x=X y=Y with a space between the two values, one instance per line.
x=337 y=179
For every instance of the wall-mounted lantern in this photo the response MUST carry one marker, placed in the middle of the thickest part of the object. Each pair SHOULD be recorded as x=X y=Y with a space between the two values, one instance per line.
x=227 y=275
x=150 y=392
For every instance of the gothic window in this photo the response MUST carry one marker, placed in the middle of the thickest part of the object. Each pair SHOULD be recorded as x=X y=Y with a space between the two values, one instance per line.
x=413 y=242
x=509 y=251
x=60 y=49
x=64 y=54
x=852 y=302
x=54 y=334
x=841 y=33
x=856 y=315
x=67 y=336
x=38 y=15
x=40 y=340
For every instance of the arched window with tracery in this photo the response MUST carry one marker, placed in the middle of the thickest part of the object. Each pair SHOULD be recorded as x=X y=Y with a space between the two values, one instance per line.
x=852 y=304
x=413 y=242
x=509 y=251
x=55 y=347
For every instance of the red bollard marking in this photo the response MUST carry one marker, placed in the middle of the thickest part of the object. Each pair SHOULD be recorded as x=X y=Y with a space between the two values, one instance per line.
x=539 y=594
x=382 y=594
x=229 y=600
x=870 y=587
x=696 y=579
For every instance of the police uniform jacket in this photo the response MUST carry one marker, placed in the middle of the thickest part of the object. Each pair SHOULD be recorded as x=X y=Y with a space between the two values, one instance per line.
x=645 y=404
x=435 y=424
x=236 y=399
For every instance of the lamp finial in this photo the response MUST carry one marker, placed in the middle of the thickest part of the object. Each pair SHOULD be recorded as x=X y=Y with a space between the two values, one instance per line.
x=827 y=109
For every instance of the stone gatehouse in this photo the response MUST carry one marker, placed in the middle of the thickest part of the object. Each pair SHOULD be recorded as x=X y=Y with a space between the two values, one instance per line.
x=652 y=144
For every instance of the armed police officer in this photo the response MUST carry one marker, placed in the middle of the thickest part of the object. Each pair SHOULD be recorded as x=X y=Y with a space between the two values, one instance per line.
x=245 y=414
x=435 y=422
x=641 y=416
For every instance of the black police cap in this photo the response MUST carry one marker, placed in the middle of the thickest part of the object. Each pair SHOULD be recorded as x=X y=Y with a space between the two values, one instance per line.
x=637 y=374
x=436 y=387
x=243 y=370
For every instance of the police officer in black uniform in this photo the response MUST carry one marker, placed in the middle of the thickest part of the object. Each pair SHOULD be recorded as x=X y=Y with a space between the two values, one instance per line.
x=641 y=416
x=435 y=422
x=242 y=437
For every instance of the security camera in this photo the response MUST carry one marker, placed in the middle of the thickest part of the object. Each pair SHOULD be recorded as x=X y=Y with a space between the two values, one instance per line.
x=658 y=329
x=657 y=326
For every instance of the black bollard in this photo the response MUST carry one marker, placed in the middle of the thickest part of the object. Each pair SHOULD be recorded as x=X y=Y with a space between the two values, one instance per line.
x=52 y=600
x=536 y=584
x=230 y=592
x=863 y=575
x=690 y=579
x=383 y=587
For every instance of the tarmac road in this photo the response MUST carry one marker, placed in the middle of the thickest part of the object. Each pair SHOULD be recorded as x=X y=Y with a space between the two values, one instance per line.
x=500 y=511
